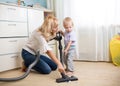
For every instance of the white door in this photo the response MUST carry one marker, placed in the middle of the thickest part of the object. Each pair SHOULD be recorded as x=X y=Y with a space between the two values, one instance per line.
x=35 y=19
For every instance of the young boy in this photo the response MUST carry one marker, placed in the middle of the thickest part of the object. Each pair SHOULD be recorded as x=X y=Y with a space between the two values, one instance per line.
x=69 y=42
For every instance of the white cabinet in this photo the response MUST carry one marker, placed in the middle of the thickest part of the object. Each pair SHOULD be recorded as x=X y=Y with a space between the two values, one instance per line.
x=13 y=13
x=10 y=49
x=35 y=19
x=11 y=45
x=12 y=29
x=9 y=61
x=16 y=25
x=13 y=35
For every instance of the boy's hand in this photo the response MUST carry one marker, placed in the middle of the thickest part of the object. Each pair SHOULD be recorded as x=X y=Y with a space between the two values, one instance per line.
x=65 y=52
x=61 y=32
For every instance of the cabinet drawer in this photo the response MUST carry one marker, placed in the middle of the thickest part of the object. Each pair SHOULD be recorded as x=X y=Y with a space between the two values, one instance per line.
x=11 y=45
x=12 y=13
x=10 y=29
x=11 y=61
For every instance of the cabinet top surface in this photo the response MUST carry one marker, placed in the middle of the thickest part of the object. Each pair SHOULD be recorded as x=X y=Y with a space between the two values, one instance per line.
x=35 y=8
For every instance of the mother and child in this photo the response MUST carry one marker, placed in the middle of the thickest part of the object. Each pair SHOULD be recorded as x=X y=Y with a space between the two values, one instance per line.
x=38 y=41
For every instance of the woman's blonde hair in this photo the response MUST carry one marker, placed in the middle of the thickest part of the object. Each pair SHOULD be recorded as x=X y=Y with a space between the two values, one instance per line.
x=49 y=23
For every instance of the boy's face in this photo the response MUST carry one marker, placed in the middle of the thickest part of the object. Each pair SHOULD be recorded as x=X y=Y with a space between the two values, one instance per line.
x=68 y=26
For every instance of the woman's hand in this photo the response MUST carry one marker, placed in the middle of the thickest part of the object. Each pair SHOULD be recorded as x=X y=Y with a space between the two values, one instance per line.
x=59 y=64
x=61 y=69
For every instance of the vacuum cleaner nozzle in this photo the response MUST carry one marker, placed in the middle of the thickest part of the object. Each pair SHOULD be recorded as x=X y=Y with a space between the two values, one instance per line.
x=65 y=78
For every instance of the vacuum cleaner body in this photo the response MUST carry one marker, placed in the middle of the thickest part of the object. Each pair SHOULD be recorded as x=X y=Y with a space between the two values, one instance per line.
x=64 y=77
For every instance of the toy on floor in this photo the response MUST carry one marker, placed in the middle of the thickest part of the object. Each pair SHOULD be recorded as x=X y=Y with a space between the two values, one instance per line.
x=115 y=49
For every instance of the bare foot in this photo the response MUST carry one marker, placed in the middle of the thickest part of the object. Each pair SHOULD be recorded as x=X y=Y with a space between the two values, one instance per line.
x=24 y=68
x=69 y=73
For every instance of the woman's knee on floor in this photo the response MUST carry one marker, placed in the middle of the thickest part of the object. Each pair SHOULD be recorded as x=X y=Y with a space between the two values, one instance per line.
x=46 y=71
x=43 y=70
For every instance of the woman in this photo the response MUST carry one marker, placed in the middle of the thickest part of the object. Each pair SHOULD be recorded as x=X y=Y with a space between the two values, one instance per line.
x=38 y=42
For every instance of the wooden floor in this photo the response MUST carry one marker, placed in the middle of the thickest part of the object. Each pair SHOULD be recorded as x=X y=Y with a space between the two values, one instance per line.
x=89 y=74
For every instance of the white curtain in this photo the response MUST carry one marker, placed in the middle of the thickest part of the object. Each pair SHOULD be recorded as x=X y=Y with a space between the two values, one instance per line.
x=96 y=22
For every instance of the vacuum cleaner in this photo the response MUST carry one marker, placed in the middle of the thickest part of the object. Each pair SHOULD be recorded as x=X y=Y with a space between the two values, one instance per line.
x=64 y=77
x=25 y=74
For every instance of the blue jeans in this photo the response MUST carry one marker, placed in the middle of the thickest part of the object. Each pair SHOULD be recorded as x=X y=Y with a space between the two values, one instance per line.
x=44 y=65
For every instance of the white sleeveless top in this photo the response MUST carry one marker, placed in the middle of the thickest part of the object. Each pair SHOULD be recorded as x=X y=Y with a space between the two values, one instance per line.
x=36 y=43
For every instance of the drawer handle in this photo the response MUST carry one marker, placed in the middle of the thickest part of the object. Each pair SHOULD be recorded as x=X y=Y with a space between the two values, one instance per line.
x=11 y=9
x=14 y=56
x=11 y=24
x=13 y=41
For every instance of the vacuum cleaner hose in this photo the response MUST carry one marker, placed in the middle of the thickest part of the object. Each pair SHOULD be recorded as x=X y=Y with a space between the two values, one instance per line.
x=25 y=74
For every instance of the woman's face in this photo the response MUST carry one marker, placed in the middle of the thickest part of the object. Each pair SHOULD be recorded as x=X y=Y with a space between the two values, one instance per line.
x=55 y=29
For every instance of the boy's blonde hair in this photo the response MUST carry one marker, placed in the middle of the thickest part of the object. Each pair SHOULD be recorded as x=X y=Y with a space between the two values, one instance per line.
x=67 y=20
x=49 y=23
